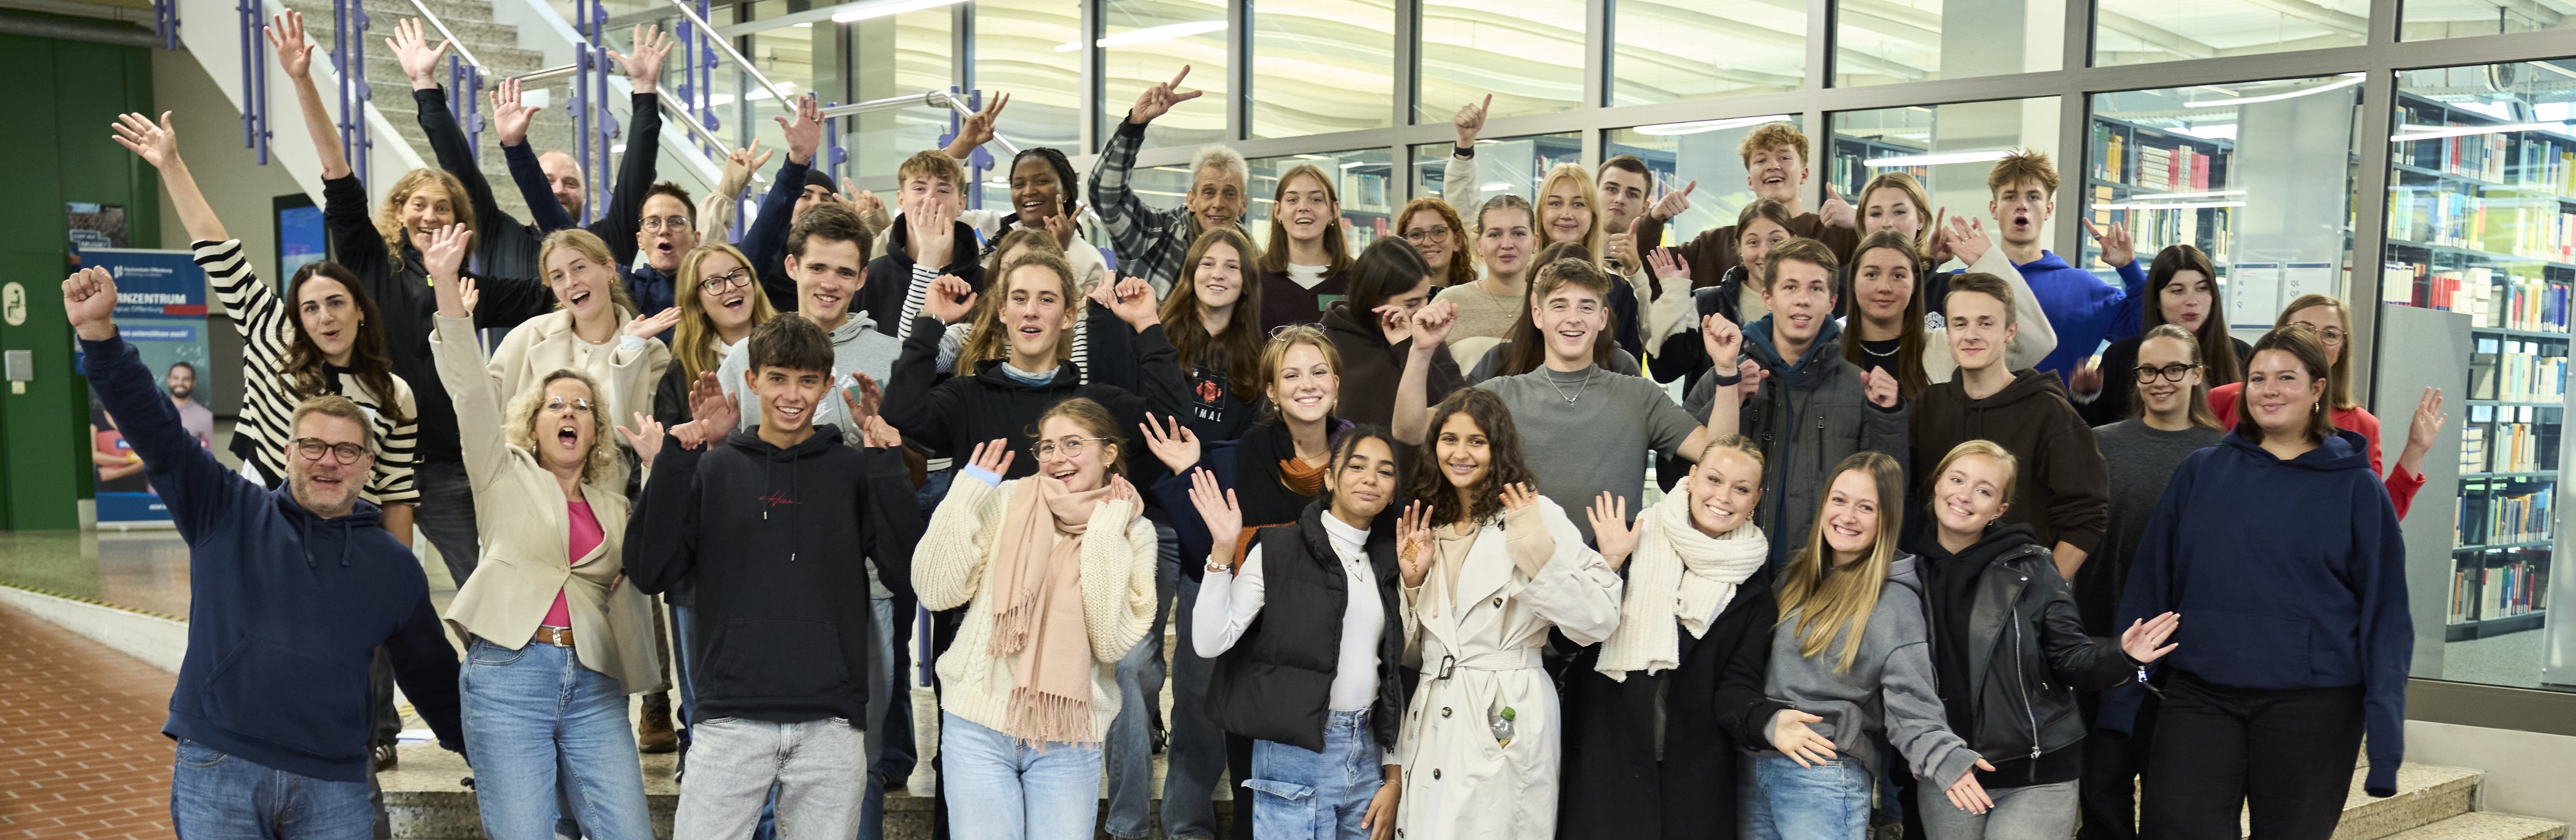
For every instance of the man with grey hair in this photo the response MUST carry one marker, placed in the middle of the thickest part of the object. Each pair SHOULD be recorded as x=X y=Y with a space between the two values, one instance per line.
x=1150 y=243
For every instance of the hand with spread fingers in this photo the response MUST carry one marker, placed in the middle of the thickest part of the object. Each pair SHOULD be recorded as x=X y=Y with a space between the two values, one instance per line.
x=1176 y=446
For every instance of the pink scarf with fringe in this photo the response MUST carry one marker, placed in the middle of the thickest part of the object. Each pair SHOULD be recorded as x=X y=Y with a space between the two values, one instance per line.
x=1038 y=618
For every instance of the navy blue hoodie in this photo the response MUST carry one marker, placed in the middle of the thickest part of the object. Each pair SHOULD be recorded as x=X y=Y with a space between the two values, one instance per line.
x=285 y=608
x=2288 y=574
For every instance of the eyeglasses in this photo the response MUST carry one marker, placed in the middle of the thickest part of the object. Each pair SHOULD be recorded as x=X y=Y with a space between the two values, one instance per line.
x=732 y=279
x=2329 y=335
x=1421 y=236
x=1067 y=448
x=2172 y=373
x=675 y=223
x=312 y=449
x=580 y=404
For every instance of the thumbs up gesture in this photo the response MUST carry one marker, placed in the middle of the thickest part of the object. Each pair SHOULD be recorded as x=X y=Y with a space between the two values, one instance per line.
x=1837 y=212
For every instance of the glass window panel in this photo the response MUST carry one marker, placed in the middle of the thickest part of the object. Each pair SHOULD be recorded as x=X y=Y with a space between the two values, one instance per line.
x=1506 y=164
x=1949 y=148
x=2429 y=19
x=1529 y=55
x=1679 y=50
x=899 y=54
x=1031 y=49
x=2257 y=175
x=1321 y=66
x=1884 y=41
x=1144 y=43
x=2147 y=31
x=2482 y=222
x=1680 y=153
x=1368 y=200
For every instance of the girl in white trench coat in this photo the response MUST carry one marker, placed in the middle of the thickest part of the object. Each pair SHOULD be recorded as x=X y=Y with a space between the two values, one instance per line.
x=1489 y=566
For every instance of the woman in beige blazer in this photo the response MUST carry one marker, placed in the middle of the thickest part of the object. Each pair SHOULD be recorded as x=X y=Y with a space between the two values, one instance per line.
x=594 y=329
x=555 y=642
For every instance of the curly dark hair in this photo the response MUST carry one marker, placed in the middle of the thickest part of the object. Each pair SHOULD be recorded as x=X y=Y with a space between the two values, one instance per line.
x=1426 y=481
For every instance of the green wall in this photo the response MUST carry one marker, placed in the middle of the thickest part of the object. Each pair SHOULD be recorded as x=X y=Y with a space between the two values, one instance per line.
x=62 y=96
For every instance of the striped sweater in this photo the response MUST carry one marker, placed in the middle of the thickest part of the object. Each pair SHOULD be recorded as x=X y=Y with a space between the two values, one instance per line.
x=266 y=321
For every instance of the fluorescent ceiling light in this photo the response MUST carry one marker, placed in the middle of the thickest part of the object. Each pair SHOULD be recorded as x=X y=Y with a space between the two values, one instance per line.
x=2177 y=205
x=1494 y=187
x=894 y=8
x=1148 y=34
x=2347 y=80
x=754 y=94
x=1701 y=126
x=1937 y=159
x=1354 y=164
x=2428 y=132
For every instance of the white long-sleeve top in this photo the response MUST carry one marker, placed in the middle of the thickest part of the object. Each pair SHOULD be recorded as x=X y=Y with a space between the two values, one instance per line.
x=1228 y=602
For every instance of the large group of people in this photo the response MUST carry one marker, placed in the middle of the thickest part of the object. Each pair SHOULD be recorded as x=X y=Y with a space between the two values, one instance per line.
x=1444 y=554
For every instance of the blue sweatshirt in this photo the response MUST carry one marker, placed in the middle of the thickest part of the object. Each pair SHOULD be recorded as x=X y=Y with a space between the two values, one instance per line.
x=285 y=608
x=2320 y=603
x=2085 y=311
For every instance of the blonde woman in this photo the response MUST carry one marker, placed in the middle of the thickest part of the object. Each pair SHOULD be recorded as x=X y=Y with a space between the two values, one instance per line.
x=720 y=303
x=594 y=329
x=555 y=642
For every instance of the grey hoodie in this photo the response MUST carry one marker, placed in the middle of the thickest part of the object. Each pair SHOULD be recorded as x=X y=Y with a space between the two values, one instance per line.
x=857 y=347
x=1889 y=686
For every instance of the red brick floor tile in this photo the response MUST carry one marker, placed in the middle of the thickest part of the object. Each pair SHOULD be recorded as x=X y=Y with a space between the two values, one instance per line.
x=81 y=750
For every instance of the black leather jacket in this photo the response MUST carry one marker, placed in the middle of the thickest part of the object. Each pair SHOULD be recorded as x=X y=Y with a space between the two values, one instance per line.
x=2027 y=654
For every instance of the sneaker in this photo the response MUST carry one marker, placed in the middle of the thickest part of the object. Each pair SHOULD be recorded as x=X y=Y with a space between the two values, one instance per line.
x=386 y=758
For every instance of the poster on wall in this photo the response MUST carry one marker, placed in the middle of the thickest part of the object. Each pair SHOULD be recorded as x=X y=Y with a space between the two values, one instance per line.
x=301 y=238
x=161 y=311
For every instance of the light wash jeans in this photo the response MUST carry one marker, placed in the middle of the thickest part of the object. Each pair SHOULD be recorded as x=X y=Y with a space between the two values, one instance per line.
x=2036 y=812
x=533 y=711
x=220 y=796
x=1300 y=793
x=998 y=789
x=1783 y=801
x=819 y=768
x=1195 y=749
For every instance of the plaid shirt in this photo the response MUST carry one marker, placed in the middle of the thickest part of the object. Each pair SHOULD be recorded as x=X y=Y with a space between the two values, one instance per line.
x=1150 y=242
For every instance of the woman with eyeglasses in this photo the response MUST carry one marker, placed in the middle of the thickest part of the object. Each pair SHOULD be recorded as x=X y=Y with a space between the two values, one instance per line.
x=1436 y=232
x=555 y=642
x=2182 y=289
x=723 y=306
x=2331 y=321
x=1055 y=571
x=594 y=329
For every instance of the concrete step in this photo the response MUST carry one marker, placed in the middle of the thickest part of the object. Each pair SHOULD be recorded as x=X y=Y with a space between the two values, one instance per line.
x=2486 y=826
x=2426 y=794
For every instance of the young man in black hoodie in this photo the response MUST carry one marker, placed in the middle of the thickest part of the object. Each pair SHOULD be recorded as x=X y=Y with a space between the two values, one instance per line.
x=292 y=591
x=786 y=517
x=926 y=241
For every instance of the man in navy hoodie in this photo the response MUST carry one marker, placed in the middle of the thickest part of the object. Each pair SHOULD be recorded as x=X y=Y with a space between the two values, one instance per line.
x=291 y=591
x=2084 y=311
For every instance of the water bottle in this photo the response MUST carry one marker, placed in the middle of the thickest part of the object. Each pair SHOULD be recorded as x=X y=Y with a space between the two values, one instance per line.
x=1501 y=723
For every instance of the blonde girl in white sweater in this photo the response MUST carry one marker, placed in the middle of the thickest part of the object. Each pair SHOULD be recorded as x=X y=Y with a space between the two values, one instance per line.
x=1056 y=572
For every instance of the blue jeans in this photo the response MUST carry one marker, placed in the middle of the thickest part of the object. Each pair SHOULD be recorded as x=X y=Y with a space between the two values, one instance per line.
x=1300 y=793
x=533 y=711
x=1783 y=801
x=998 y=789
x=684 y=664
x=214 y=796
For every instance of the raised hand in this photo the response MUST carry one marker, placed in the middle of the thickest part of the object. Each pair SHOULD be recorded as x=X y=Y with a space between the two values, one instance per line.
x=1790 y=735
x=510 y=117
x=711 y=408
x=1471 y=120
x=2144 y=641
x=1836 y=212
x=1158 y=100
x=1620 y=249
x=1753 y=373
x=977 y=128
x=156 y=143
x=89 y=300
x=1611 y=528
x=2421 y=430
x=1879 y=386
x=644 y=67
x=1672 y=204
x=1722 y=339
x=1177 y=448
x=950 y=299
x=1969 y=796
x=419 y=60
x=2087 y=378
x=1431 y=324
x=1967 y=239
x=1219 y=511
x=1120 y=490
x=286 y=37
x=864 y=397
x=1667 y=263
x=1413 y=543
x=933 y=229
x=653 y=326
x=1133 y=302
x=445 y=253
x=1062 y=225
x=645 y=438
x=876 y=433
x=993 y=456
x=2118 y=249
x=806 y=133
x=1517 y=495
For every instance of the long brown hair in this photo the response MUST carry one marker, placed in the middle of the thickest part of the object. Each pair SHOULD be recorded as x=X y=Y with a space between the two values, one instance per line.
x=389 y=214
x=2301 y=343
x=1462 y=265
x=1827 y=601
x=694 y=340
x=304 y=362
x=1239 y=344
x=2201 y=416
x=1426 y=481
x=2218 y=362
x=1559 y=265
x=1337 y=244
x=1387 y=268
x=984 y=335
x=2339 y=382
x=1910 y=378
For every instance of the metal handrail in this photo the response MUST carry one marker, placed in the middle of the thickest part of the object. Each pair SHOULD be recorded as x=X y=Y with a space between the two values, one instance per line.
x=926 y=99
x=548 y=73
x=432 y=17
x=784 y=101
x=676 y=114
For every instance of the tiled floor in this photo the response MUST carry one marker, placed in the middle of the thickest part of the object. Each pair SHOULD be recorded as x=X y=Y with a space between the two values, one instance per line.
x=81 y=751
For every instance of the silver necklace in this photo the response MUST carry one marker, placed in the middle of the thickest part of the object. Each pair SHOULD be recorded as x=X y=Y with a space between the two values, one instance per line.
x=1578 y=388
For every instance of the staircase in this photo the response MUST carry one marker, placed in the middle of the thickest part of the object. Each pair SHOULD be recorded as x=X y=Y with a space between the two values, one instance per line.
x=495 y=44
x=2435 y=803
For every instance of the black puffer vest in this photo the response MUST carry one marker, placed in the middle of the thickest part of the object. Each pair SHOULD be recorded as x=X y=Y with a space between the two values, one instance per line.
x=1275 y=684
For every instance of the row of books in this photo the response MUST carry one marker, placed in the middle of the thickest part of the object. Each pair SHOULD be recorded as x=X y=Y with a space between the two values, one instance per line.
x=2516 y=158
x=2156 y=229
x=2546 y=166
x=2501 y=519
x=2175 y=168
x=2480 y=156
x=2516 y=371
x=2516 y=588
x=2533 y=227
x=2507 y=448
x=2514 y=297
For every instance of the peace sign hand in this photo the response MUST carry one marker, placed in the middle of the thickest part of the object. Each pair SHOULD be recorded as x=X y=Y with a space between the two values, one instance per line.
x=993 y=456
x=977 y=128
x=1177 y=448
x=1413 y=544
x=1158 y=100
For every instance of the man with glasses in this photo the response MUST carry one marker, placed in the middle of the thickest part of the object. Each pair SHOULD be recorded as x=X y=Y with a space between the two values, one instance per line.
x=291 y=592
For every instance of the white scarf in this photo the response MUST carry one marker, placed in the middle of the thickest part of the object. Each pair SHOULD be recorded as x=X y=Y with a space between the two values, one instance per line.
x=1678 y=575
